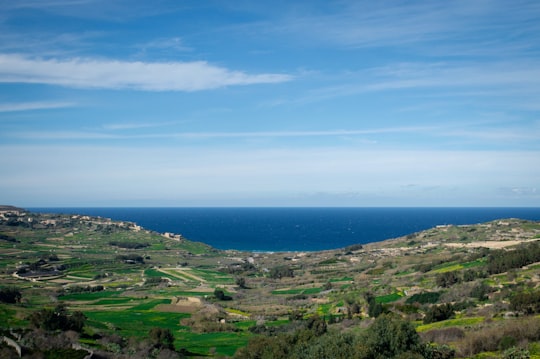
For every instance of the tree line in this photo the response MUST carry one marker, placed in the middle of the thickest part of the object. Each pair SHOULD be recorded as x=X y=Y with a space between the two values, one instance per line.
x=500 y=261
x=387 y=337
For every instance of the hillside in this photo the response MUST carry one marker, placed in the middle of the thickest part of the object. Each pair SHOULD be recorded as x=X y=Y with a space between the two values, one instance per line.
x=124 y=291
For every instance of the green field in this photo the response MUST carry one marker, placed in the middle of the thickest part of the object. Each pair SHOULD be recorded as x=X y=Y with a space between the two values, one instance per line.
x=388 y=298
x=297 y=291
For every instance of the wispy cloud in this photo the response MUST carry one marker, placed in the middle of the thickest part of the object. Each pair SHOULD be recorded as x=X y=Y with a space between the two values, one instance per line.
x=418 y=26
x=136 y=125
x=432 y=137
x=118 y=10
x=517 y=80
x=410 y=75
x=65 y=135
x=328 y=133
x=44 y=43
x=72 y=135
x=164 y=44
x=113 y=74
x=31 y=106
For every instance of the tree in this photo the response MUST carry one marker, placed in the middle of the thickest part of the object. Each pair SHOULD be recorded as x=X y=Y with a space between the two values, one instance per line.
x=481 y=291
x=161 y=338
x=317 y=325
x=241 y=282
x=528 y=303
x=389 y=337
x=436 y=313
x=447 y=279
x=10 y=295
x=220 y=295
x=58 y=318
x=374 y=308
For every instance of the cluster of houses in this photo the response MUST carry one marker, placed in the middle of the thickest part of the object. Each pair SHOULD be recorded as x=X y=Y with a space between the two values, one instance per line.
x=17 y=216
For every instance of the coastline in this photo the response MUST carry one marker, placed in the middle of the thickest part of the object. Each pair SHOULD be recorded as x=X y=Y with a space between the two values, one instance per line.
x=296 y=229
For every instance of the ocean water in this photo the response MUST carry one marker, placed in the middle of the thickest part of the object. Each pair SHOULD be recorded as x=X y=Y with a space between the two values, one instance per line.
x=296 y=229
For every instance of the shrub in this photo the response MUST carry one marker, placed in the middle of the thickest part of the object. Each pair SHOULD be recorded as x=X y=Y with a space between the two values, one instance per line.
x=58 y=319
x=10 y=295
x=516 y=353
x=480 y=291
x=129 y=245
x=220 y=295
x=491 y=338
x=389 y=337
x=353 y=248
x=529 y=303
x=281 y=272
x=5 y=237
x=433 y=351
x=447 y=279
x=444 y=335
x=161 y=338
x=503 y=260
x=436 y=313
x=507 y=342
x=424 y=298
x=374 y=308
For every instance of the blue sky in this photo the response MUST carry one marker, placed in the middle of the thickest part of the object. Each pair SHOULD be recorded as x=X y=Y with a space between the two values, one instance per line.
x=269 y=103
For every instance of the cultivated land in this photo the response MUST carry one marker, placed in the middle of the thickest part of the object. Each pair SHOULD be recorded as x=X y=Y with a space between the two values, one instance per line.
x=470 y=291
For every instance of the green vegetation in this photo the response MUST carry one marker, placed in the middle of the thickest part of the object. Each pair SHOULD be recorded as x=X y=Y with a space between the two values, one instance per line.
x=388 y=298
x=297 y=291
x=121 y=292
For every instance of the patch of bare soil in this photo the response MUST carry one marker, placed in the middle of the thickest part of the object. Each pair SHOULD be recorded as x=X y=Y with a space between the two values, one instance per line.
x=485 y=244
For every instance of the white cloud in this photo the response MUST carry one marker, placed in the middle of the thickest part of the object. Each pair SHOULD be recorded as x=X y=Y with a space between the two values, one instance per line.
x=420 y=27
x=30 y=106
x=411 y=75
x=466 y=134
x=113 y=74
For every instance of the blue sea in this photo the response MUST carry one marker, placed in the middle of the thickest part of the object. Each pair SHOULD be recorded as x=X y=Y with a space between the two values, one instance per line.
x=296 y=229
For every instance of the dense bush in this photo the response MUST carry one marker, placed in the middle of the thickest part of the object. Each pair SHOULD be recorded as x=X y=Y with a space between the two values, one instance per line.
x=129 y=245
x=424 y=298
x=84 y=289
x=516 y=353
x=436 y=313
x=58 y=319
x=388 y=337
x=470 y=274
x=353 y=248
x=281 y=272
x=220 y=295
x=5 y=237
x=503 y=260
x=447 y=279
x=493 y=338
x=150 y=281
x=10 y=295
x=528 y=303
x=481 y=291
x=161 y=338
